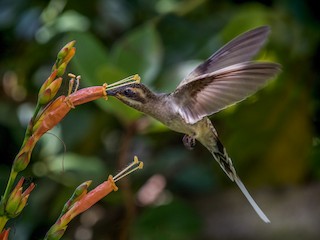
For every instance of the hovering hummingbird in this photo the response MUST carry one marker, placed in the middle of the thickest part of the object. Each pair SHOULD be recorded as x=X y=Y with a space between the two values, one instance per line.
x=225 y=78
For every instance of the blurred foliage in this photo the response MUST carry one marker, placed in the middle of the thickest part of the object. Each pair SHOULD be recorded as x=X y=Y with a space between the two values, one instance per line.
x=273 y=137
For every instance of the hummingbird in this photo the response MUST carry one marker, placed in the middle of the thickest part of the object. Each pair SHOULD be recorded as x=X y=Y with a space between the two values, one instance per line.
x=225 y=78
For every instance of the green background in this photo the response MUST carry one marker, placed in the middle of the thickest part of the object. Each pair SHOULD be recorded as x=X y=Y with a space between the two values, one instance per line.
x=272 y=137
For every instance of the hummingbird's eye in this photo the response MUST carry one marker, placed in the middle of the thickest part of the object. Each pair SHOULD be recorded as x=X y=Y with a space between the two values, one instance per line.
x=128 y=92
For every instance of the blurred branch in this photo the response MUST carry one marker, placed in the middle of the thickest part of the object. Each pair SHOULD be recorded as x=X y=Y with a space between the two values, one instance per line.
x=128 y=196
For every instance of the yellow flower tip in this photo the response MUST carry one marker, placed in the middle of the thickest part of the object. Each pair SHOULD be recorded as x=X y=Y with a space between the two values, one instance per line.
x=71 y=44
x=66 y=49
x=85 y=184
x=140 y=165
x=135 y=165
x=128 y=80
x=137 y=78
x=82 y=188
x=113 y=184
x=73 y=83
x=105 y=85
x=135 y=160
x=88 y=183
x=71 y=75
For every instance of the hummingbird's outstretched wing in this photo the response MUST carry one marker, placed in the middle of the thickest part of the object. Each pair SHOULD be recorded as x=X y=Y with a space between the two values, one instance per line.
x=240 y=49
x=211 y=92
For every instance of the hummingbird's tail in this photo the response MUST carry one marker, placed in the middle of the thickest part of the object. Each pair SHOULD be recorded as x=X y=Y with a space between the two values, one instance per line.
x=221 y=156
x=209 y=138
x=251 y=201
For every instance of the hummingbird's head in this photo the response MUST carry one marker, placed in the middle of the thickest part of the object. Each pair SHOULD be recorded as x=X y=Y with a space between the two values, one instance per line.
x=135 y=95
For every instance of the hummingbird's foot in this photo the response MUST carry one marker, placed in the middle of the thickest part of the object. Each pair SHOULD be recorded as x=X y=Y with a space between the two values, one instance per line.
x=189 y=142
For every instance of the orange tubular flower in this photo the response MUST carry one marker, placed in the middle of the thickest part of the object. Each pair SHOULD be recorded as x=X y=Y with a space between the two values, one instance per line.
x=86 y=200
x=93 y=197
x=58 y=109
x=88 y=94
x=52 y=115
x=58 y=229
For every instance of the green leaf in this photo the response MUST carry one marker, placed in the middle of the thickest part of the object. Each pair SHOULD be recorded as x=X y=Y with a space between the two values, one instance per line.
x=173 y=221
x=195 y=178
x=139 y=52
x=90 y=59
x=93 y=63
x=77 y=168
x=245 y=16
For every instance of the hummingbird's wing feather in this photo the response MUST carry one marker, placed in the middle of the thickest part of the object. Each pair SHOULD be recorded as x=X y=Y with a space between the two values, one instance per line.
x=240 y=49
x=209 y=93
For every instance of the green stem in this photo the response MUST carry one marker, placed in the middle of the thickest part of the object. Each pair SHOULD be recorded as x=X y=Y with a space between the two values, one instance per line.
x=31 y=124
x=10 y=183
x=13 y=174
x=3 y=221
x=4 y=199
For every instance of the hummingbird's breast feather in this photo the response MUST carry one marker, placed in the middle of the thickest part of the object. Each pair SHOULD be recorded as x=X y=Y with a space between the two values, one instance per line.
x=165 y=111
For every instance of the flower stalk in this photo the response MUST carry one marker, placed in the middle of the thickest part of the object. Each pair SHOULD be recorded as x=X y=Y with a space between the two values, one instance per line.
x=81 y=200
x=47 y=92
x=48 y=113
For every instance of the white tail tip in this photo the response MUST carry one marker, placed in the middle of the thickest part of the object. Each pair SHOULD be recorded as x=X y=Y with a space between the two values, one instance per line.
x=251 y=201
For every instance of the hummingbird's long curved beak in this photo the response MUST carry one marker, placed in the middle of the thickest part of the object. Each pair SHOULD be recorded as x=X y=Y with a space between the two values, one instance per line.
x=111 y=92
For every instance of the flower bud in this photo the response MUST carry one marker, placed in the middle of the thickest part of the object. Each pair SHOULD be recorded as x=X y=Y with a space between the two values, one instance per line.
x=65 y=50
x=64 y=56
x=69 y=56
x=21 y=161
x=24 y=198
x=55 y=235
x=61 y=69
x=80 y=192
x=21 y=206
x=82 y=189
x=47 y=94
x=13 y=202
x=18 y=199
x=48 y=81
